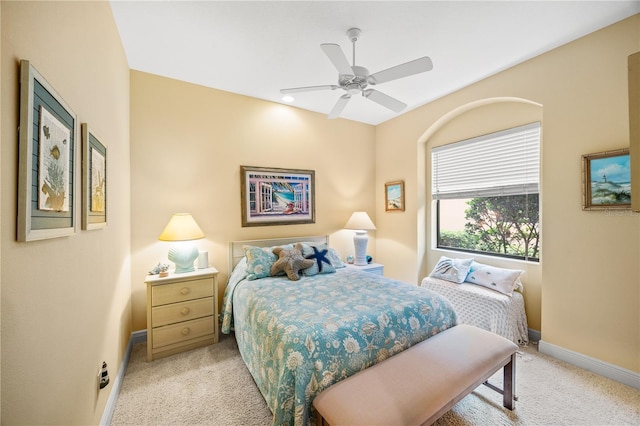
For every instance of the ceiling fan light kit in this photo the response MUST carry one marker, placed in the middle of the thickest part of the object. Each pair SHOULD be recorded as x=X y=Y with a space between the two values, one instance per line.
x=354 y=79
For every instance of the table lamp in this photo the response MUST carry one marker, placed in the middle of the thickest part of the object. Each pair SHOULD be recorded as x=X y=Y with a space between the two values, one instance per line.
x=360 y=222
x=182 y=229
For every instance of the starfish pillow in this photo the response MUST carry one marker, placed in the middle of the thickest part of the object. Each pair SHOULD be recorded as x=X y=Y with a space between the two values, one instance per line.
x=290 y=262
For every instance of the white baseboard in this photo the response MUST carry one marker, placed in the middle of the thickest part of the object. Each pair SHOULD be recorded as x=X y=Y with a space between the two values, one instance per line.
x=107 y=415
x=602 y=368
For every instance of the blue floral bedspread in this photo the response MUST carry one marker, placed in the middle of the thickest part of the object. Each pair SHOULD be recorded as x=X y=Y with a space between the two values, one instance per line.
x=299 y=337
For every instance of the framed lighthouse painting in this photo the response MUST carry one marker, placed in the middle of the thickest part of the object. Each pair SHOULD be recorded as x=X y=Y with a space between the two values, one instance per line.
x=606 y=180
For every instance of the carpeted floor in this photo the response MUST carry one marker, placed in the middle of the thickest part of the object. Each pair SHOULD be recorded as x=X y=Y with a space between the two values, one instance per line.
x=211 y=386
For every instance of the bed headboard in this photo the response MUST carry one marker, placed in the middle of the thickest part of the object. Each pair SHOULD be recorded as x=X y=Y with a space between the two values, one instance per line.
x=236 y=248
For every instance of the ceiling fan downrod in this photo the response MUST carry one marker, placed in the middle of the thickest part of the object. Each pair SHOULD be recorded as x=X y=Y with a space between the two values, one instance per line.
x=354 y=34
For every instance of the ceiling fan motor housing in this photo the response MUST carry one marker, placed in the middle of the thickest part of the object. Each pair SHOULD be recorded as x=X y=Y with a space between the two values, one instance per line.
x=355 y=83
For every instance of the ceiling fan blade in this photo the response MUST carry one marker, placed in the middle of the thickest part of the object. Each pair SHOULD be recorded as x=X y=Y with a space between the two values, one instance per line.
x=384 y=100
x=309 y=89
x=416 y=66
x=339 y=106
x=336 y=56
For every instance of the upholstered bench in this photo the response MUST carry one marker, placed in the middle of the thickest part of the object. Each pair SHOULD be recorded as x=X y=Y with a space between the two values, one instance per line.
x=420 y=384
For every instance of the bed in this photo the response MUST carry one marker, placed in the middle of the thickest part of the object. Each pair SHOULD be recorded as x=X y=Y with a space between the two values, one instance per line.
x=299 y=337
x=486 y=308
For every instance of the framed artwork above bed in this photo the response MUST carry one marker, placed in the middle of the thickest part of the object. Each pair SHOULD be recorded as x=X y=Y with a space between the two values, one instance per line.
x=273 y=196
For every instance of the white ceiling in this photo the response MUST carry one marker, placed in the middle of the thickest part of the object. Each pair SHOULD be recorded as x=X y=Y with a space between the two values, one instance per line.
x=256 y=48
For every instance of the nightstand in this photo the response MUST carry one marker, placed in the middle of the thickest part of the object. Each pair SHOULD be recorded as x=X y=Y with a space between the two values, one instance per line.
x=374 y=268
x=182 y=312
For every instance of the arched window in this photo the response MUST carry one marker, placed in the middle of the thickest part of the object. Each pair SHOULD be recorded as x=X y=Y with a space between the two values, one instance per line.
x=486 y=190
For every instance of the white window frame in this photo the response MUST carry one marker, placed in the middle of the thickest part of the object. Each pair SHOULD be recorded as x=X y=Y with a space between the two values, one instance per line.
x=497 y=164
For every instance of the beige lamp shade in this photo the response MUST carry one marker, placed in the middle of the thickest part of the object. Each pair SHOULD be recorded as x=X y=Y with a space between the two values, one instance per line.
x=181 y=227
x=361 y=221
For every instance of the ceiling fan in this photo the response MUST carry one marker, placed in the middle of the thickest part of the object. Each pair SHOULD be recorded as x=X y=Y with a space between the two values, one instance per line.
x=356 y=79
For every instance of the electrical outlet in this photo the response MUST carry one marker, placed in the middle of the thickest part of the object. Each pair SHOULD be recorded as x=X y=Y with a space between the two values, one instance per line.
x=103 y=376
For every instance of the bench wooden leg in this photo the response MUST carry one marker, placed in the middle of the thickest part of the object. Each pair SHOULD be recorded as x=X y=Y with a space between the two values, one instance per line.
x=509 y=379
x=509 y=383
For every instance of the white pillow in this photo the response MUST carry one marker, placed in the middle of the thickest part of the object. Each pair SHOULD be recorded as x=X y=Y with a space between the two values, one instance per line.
x=499 y=279
x=454 y=270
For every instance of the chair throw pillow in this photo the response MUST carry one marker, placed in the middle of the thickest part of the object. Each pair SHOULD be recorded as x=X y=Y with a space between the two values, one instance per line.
x=499 y=279
x=454 y=270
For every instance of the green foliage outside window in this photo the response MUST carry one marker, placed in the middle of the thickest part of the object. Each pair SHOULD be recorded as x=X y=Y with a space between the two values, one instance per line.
x=505 y=225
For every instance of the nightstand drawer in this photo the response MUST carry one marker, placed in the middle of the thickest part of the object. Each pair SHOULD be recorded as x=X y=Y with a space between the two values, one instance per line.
x=183 y=311
x=179 y=292
x=167 y=335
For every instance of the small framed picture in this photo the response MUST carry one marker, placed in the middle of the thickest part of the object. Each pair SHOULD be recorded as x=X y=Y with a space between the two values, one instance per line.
x=94 y=180
x=394 y=196
x=606 y=180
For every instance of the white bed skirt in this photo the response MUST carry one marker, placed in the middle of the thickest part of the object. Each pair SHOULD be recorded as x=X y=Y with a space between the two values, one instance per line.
x=485 y=308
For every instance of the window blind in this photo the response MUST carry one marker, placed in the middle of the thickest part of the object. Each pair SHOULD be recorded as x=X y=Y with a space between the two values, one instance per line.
x=501 y=163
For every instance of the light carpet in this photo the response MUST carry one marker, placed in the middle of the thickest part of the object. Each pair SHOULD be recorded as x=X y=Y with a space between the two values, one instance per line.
x=212 y=386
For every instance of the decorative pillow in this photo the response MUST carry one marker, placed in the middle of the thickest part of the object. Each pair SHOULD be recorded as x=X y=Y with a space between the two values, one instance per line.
x=259 y=261
x=499 y=279
x=322 y=262
x=290 y=261
x=454 y=270
x=332 y=255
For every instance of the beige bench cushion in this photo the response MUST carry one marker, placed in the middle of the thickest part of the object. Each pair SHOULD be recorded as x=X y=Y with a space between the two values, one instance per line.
x=416 y=385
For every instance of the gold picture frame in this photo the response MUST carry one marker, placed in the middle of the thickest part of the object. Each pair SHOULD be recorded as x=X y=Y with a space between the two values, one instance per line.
x=606 y=180
x=394 y=196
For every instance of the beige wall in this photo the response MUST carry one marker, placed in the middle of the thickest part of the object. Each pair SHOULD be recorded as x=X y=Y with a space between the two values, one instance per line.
x=70 y=303
x=187 y=145
x=584 y=295
x=65 y=301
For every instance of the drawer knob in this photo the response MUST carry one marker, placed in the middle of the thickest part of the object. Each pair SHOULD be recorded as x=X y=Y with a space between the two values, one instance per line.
x=186 y=331
x=185 y=291
x=185 y=311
